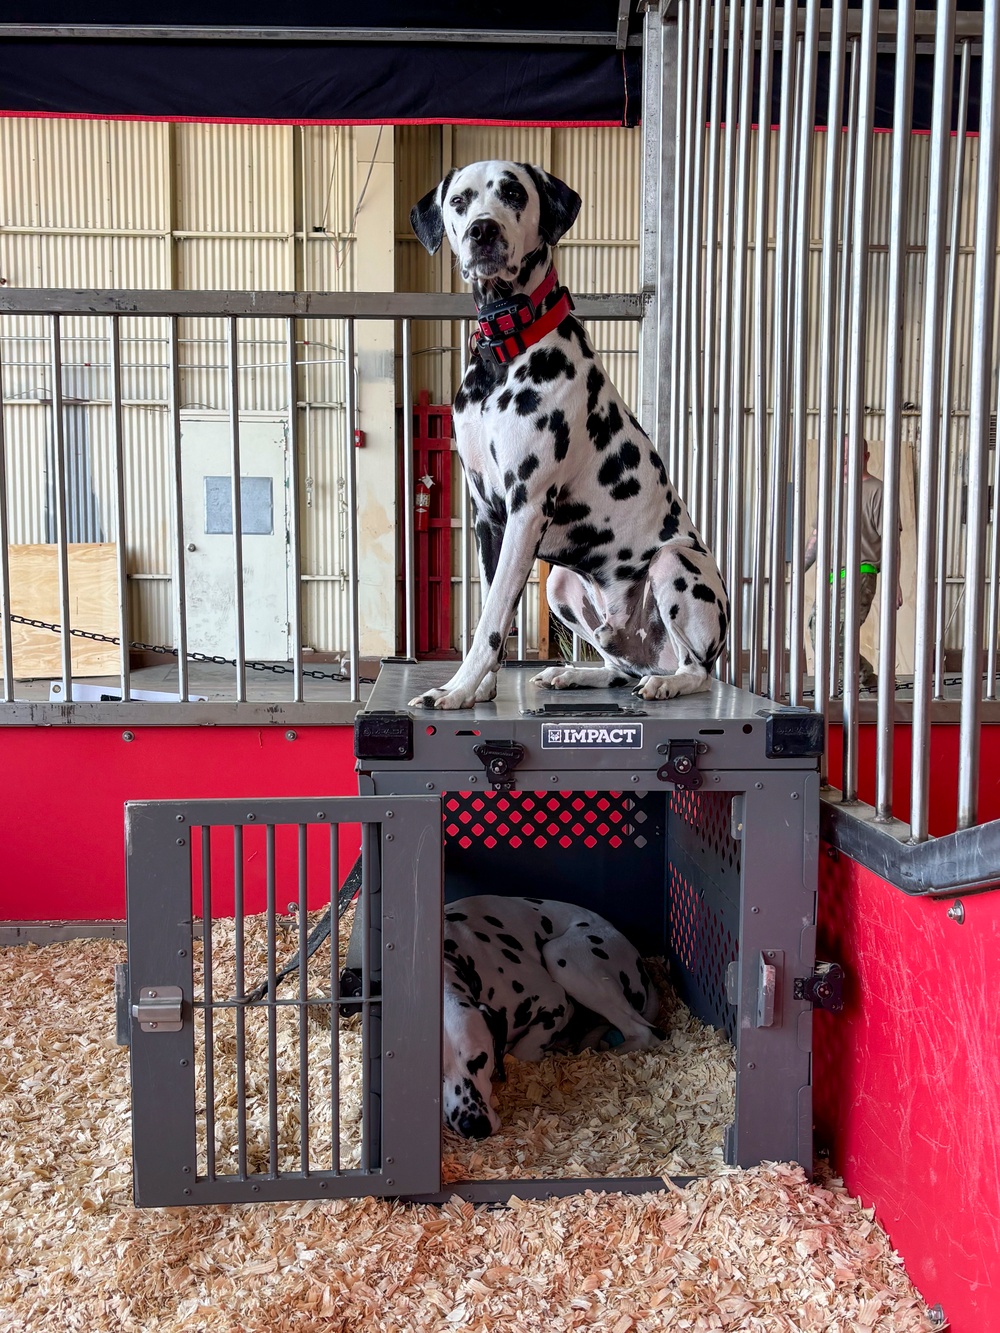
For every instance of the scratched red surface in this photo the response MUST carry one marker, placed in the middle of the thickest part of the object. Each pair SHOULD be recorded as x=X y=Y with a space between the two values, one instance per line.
x=907 y=1080
x=64 y=790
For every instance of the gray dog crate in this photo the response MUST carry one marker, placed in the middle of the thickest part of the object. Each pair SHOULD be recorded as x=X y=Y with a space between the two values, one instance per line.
x=691 y=824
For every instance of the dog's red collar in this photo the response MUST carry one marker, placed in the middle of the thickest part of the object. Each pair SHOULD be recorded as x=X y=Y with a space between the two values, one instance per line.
x=508 y=328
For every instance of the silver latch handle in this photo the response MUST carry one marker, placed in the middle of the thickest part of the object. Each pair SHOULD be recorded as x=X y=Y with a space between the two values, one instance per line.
x=160 y=1009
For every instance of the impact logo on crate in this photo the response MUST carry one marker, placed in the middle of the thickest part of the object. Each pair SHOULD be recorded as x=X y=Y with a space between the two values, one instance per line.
x=592 y=736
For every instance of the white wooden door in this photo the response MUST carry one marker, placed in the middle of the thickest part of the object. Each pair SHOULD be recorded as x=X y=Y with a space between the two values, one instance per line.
x=209 y=563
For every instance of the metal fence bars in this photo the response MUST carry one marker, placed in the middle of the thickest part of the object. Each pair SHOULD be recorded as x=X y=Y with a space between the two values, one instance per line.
x=121 y=523
x=867 y=257
x=249 y=1087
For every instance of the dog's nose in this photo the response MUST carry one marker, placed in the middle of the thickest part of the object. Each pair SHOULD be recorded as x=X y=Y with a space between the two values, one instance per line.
x=483 y=231
x=474 y=1126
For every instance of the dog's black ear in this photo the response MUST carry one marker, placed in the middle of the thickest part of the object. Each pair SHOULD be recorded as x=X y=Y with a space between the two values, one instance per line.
x=558 y=204
x=427 y=219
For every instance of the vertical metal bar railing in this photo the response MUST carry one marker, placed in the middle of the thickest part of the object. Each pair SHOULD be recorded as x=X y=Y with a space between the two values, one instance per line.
x=121 y=548
x=302 y=911
x=736 y=388
x=930 y=418
x=294 y=512
x=760 y=343
x=710 y=463
x=651 y=346
x=351 y=470
x=981 y=392
x=180 y=581
x=856 y=391
x=947 y=370
x=828 y=313
x=241 y=1013
x=843 y=352
x=722 y=530
x=779 y=337
x=59 y=495
x=893 y=442
x=334 y=999
x=800 y=325
x=687 y=29
x=696 y=309
x=6 y=625
x=237 y=493
x=677 y=270
x=409 y=553
x=208 y=992
x=272 y=1005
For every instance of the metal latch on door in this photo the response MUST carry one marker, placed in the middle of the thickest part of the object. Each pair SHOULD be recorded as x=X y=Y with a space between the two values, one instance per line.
x=160 y=1009
x=681 y=767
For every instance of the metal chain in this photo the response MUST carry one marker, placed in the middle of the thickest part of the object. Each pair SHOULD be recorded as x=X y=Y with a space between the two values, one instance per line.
x=280 y=668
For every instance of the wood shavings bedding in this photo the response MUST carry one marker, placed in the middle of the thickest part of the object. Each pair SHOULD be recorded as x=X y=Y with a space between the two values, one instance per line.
x=759 y=1251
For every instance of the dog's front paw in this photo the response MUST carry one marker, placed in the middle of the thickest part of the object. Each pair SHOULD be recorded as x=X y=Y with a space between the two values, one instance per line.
x=556 y=678
x=671 y=687
x=443 y=698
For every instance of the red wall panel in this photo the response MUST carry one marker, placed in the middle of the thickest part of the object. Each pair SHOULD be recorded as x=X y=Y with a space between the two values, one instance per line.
x=943 y=784
x=907 y=1080
x=63 y=789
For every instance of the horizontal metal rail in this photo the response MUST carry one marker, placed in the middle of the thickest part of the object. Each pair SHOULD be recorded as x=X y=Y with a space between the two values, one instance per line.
x=191 y=32
x=282 y=305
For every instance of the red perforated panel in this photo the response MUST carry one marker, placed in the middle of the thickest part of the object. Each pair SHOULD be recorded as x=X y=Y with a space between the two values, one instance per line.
x=536 y=819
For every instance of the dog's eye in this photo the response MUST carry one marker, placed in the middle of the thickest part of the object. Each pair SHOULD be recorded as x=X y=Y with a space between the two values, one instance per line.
x=456 y=201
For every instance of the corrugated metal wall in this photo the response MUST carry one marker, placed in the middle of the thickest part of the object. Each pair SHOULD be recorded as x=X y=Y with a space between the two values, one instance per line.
x=134 y=204
x=119 y=204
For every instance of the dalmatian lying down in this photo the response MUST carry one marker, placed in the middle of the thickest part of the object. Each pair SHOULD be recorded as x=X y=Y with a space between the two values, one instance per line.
x=530 y=976
x=557 y=466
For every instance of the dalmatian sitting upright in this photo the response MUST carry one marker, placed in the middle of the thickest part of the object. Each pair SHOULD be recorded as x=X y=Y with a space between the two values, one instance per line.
x=556 y=464
x=528 y=976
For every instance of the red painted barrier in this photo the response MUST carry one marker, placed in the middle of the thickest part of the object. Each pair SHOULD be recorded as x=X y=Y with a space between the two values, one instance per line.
x=907 y=1080
x=943 y=784
x=64 y=791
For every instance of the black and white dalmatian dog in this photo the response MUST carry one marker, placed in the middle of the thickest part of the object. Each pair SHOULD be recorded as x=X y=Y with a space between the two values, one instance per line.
x=557 y=466
x=528 y=976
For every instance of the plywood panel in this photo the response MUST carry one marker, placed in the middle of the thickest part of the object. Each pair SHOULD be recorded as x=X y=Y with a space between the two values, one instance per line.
x=93 y=603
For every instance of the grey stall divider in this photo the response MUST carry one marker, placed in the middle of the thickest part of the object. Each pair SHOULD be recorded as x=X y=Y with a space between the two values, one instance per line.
x=930 y=423
x=59 y=495
x=856 y=392
x=902 y=115
x=981 y=399
x=783 y=262
x=828 y=310
x=948 y=358
x=186 y=1133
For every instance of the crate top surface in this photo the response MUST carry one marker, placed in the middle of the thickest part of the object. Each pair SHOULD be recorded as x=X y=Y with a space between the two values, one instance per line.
x=575 y=729
x=517 y=698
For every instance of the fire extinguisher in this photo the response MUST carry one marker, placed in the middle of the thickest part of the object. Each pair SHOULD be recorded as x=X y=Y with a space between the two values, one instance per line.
x=422 y=502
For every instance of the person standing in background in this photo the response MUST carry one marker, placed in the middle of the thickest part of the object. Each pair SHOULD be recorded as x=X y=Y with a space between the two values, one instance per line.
x=871 y=560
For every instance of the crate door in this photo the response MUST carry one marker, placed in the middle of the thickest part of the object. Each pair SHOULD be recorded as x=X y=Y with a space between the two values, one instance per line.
x=252 y=1080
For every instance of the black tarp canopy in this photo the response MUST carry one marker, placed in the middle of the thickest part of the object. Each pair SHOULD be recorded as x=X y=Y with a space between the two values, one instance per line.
x=275 y=64
x=553 y=64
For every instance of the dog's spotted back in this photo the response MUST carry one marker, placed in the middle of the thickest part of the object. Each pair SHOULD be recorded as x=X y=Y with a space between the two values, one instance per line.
x=528 y=976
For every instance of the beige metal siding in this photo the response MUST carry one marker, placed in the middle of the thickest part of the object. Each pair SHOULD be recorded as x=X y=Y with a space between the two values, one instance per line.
x=93 y=203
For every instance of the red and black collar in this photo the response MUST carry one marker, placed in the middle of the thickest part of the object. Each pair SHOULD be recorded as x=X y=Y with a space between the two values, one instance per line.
x=508 y=327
